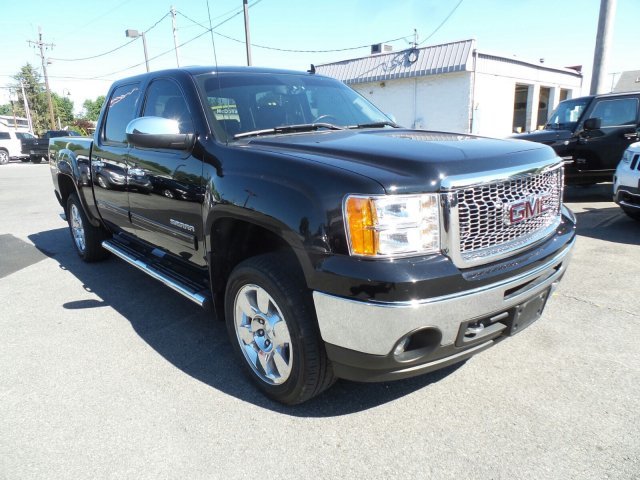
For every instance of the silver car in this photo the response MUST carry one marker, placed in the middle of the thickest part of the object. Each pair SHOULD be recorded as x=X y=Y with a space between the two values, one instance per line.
x=626 y=182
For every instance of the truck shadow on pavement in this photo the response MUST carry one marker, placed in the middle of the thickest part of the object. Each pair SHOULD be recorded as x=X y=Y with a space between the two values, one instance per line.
x=601 y=192
x=192 y=340
x=609 y=224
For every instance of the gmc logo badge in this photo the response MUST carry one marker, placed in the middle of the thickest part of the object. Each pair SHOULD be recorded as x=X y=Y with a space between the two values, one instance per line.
x=530 y=207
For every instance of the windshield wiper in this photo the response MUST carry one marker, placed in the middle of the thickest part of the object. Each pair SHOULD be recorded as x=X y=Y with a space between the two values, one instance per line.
x=386 y=123
x=303 y=127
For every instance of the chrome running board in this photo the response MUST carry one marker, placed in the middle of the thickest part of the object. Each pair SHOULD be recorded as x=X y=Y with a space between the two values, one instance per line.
x=194 y=292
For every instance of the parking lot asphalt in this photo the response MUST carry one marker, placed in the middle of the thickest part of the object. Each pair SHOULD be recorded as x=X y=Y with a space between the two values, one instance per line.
x=105 y=373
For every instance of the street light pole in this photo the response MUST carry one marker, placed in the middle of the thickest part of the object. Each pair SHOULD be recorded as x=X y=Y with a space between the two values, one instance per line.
x=135 y=34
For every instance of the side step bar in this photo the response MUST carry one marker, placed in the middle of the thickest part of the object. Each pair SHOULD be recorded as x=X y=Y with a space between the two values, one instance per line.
x=192 y=292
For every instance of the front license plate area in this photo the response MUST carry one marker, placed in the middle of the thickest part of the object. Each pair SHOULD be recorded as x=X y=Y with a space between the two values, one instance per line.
x=528 y=312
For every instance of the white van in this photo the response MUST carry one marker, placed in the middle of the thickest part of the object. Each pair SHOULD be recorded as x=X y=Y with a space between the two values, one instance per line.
x=11 y=146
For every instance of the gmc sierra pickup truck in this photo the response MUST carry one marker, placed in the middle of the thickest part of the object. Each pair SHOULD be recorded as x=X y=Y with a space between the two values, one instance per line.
x=333 y=243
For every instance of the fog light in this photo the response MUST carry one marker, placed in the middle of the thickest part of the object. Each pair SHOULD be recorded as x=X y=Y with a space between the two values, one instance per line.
x=401 y=347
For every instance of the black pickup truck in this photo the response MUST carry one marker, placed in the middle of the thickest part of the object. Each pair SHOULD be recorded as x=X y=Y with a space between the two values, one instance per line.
x=334 y=243
x=35 y=149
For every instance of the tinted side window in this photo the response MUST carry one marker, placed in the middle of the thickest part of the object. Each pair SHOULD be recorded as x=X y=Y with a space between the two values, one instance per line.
x=620 y=111
x=165 y=99
x=4 y=136
x=122 y=109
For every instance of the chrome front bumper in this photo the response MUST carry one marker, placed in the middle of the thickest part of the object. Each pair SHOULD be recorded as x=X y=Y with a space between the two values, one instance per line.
x=375 y=328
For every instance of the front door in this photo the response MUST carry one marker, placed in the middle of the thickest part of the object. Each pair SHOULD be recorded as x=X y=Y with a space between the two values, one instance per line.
x=165 y=186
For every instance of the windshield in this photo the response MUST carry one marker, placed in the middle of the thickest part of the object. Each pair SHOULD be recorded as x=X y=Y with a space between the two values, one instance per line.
x=251 y=102
x=567 y=114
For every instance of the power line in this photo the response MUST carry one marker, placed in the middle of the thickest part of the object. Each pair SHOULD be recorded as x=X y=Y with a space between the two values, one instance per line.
x=307 y=51
x=441 y=24
x=152 y=58
x=285 y=49
x=84 y=25
x=113 y=50
x=207 y=30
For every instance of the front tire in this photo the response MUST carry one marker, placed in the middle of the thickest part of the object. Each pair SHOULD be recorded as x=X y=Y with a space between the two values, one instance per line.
x=87 y=239
x=273 y=329
x=4 y=157
x=36 y=159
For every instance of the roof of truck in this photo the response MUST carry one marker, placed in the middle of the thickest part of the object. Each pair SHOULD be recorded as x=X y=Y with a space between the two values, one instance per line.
x=199 y=70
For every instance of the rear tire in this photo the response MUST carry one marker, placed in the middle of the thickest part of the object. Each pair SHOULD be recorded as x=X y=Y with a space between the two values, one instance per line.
x=4 y=157
x=87 y=239
x=273 y=329
x=36 y=159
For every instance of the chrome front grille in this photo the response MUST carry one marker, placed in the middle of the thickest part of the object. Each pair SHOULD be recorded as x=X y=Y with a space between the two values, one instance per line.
x=489 y=220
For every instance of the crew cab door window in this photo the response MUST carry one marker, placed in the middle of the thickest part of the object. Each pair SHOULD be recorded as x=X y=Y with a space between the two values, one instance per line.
x=620 y=111
x=122 y=109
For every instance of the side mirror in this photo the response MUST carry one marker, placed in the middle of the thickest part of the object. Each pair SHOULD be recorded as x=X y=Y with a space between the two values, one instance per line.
x=158 y=132
x=592 y=124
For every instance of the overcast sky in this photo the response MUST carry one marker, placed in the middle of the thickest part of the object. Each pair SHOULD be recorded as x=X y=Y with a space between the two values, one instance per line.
x=560 y=31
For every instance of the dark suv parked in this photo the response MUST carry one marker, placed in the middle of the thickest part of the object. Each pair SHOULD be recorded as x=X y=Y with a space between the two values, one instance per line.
x=590 y=134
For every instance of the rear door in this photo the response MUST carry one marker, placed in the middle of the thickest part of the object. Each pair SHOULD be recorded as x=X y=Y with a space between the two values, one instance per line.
x=602 y=149
x=109 y=157
x=165 y=186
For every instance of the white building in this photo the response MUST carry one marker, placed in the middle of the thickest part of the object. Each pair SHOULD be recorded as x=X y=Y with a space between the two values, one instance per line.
x=455 y=87
x=629 y=81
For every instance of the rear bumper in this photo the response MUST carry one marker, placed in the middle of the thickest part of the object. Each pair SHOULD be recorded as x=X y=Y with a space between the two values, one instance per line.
x=364 y=339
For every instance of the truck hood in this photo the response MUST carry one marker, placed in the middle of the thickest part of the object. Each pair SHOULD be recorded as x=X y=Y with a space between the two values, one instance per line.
x=405 y=161
x=548 y=137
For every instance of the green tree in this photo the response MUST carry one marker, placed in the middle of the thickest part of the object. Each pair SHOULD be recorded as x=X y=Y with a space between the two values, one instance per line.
x=63 y=109
x=92 y=108
x=36 y=96
x=6 y=109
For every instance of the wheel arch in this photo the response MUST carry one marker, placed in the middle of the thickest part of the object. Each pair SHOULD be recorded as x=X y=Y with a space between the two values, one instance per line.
x=70 y=181
x=233 y=240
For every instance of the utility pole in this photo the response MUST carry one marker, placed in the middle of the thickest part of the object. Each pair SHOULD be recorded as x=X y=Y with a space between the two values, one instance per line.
x=175 y=33
x=603 y=44
x=27 y=112
x=41 y=45
x=247 y=37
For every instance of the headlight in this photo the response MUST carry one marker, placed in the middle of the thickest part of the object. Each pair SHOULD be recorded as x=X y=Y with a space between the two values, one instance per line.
x=392 y=225
x=626 y=156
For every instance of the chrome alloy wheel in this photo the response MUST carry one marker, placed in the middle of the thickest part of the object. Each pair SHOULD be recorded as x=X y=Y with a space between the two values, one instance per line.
x=262 y=332
x=77 y=228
